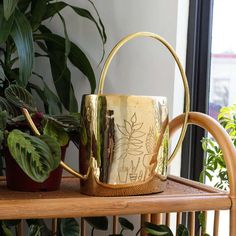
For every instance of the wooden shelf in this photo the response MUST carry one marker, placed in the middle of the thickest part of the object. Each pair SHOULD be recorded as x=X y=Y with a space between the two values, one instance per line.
x=181 y=195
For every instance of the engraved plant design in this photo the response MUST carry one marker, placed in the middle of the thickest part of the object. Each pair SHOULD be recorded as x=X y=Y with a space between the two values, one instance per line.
x=151 y=140
x=130 y=141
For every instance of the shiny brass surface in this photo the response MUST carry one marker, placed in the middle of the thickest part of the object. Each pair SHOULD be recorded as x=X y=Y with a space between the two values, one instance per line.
x=181 y=69
x=125 y=137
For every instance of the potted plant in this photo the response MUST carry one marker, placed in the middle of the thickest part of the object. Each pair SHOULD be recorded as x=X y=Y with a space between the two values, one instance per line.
x=31 y=157
x=22 y=27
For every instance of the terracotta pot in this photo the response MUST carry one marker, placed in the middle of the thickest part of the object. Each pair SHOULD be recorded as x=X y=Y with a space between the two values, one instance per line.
x=18 y=180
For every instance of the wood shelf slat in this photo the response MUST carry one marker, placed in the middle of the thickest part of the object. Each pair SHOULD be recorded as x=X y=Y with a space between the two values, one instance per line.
x=68 y=202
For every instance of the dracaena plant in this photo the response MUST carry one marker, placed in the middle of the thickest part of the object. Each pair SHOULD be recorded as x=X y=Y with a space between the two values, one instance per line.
x=24 y=36
x=22 y=27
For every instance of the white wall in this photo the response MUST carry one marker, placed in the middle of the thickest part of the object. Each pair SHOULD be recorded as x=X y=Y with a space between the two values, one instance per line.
x=143 y=66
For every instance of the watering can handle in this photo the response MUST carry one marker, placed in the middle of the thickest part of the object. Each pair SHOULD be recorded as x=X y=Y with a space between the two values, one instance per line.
x=184 y=79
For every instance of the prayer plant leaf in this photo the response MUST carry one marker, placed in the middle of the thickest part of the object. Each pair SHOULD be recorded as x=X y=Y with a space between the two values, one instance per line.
x=9 y=107
x=20 y=97
x=55 y=149
x=21 y=34
x=3 y=120
x=53 y=130
x=32 y=154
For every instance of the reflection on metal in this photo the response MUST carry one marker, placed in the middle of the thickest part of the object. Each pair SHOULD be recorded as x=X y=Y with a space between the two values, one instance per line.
x=127 y=137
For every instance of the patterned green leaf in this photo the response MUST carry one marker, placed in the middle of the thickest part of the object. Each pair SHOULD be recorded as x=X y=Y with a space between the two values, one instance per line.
x=3 y=120
x=55 y=149
x=54 y=130
x=21 y=34
x=10 y=108
x=20 y=97
x=152 y=229
x=32 y=154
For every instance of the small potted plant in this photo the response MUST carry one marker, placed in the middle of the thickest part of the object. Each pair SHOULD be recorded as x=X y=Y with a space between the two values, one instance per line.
x=30 y=157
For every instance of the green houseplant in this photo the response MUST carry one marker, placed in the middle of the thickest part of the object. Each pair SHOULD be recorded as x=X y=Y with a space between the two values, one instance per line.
x=214 y=165
x=37 y=155
x=22 y=28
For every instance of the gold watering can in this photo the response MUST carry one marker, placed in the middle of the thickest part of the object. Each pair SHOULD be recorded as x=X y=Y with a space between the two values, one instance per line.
x=127 y=138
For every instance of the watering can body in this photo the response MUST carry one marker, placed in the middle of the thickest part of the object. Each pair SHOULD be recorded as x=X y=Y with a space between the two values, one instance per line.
x=127 y=138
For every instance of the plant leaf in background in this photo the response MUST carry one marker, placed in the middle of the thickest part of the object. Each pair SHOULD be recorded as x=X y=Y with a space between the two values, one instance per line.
x=67 y=41
x=34 y=230
x=53 y=102
x=5 y=26
x=10 y=108
x=55 y=149
x=62 y=81
x=54 y=130
x=38 y=9
x=6 y=230
x=38 y=160
x=23 y=5
x=69 y=227
x=39 y=223
x=152 y=229
x=9 y=7
x=100 y=223
x=56 y=7
x=182 y=230
x=76 y=55
x=20 y=97
x=125 y=224
x=21 y=34
x=3 y=120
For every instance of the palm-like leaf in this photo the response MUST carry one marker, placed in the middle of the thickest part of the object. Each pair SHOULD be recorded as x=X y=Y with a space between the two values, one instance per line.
x=5 y=26
x=20 y=97
x=21 y=33
x=32 y=154
x=76 y=55
x=9 y=7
